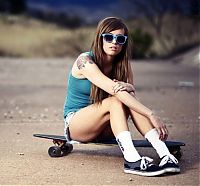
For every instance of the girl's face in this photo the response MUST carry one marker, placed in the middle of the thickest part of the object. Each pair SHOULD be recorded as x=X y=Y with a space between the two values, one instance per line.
x=113 y=48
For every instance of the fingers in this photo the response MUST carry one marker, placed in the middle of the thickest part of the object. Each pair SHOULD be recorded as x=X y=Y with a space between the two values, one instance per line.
x=118 y=88
x=163 y=132
x=161 y=128
x=122 y=86
x=133 y=88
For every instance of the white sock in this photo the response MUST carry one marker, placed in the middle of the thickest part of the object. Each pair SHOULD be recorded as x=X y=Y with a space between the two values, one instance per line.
x=126 y=145
x=153 y=137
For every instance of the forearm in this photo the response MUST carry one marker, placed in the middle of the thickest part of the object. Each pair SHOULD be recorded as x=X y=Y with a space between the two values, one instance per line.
x=131 y=102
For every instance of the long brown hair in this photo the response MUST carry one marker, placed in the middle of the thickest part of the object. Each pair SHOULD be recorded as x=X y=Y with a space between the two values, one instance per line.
x=121 y=69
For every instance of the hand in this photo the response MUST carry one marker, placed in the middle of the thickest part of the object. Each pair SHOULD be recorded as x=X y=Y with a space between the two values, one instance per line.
x=123 y=86
x=160 y=126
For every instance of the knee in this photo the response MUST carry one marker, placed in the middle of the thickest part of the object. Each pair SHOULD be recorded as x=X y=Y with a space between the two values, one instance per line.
x=114 y=102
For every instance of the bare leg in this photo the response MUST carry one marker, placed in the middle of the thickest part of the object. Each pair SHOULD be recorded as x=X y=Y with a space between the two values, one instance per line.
x=141 y=122
x=144 y=126
x=90 y=121
x=106 y=134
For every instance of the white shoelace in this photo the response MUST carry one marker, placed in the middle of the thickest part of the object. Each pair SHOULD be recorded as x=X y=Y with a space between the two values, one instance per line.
x=168 y=158
x=144 y=162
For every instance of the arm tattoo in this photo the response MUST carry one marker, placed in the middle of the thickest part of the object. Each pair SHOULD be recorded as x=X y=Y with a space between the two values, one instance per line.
x=82 y=60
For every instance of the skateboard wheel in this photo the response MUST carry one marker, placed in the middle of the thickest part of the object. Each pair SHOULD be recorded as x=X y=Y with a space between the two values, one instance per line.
x=66 y=149
x=176 y=152
x=54 y=152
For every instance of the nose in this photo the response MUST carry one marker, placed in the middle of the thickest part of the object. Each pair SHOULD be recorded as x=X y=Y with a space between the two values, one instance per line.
x=114 y=41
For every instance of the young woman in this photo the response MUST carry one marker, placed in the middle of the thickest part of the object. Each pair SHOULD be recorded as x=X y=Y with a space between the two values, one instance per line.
x=101 y=97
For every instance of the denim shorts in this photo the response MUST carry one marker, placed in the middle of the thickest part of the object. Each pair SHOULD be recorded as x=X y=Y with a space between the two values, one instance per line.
x=67 y=123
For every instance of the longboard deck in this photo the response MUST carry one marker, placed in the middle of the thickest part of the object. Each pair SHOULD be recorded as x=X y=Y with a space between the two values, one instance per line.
x=137 y=143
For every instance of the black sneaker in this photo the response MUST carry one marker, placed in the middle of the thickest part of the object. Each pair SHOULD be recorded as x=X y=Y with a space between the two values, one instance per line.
x=143 y=167
x=170 y=164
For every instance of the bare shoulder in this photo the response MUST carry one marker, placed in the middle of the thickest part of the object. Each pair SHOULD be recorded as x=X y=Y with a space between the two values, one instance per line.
x=83 y=60
x=85 y=67
x=82 y=64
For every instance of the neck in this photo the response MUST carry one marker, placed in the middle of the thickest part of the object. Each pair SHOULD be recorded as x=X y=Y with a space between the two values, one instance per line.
x=109 y=59
x=107 y=66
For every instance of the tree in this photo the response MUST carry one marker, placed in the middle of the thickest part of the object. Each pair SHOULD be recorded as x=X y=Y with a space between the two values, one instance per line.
x=154 y=12
x=195 y=8
x=13 y=6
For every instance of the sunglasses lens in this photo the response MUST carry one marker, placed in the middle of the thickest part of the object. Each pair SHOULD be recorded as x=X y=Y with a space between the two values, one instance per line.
x=121 y=40
x=108 y=38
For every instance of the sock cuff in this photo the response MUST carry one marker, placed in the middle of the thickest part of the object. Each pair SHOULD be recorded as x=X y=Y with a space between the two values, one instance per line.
x=123 y=134
x=153 y=137
x=152 y=133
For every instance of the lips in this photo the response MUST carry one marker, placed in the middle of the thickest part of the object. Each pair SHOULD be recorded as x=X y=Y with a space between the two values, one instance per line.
x=114 y=48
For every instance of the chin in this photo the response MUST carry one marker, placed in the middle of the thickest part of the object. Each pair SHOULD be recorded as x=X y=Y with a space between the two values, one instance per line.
x=113 y=53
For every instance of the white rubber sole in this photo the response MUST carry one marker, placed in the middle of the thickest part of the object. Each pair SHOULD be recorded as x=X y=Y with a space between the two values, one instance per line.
x=140 y=173
x=172 y=170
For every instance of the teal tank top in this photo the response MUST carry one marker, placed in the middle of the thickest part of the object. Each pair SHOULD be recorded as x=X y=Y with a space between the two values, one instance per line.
x=78 y=94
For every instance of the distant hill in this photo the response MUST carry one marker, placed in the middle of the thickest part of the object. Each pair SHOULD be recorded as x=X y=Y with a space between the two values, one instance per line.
x=89 y=10
x=93 y=10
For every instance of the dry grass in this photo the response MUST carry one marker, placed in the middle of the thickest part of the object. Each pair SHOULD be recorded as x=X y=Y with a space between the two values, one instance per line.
x=26 y=37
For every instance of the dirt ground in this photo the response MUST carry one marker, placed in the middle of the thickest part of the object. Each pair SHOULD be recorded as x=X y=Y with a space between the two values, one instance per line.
x=32 y=93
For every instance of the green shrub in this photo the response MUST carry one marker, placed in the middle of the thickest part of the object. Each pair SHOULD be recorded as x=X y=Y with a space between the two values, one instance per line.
x=141 y=43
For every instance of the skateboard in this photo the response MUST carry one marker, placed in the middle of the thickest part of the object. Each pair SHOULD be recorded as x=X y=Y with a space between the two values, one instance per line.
x=62 y=147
